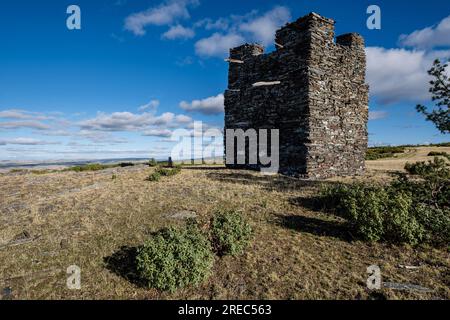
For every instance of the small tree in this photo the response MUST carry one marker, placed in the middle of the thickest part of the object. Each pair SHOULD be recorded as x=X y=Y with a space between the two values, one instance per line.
x=440 y=90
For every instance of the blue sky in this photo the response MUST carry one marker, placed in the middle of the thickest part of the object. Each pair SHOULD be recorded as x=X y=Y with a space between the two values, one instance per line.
x=137 y=70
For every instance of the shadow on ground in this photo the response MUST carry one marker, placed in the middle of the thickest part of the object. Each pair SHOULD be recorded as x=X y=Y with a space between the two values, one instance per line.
x=123 y=264
x=311 y=203
x=269 y=182
x=314 y=226
x=212 y=168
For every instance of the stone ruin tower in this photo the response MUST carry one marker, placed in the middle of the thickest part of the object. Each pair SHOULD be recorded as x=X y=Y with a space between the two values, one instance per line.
x=312 y=89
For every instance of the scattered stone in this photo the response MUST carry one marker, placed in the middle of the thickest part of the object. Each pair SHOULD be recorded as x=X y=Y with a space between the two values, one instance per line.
x=401 y=266
x=182 y=215
x=22 y=238
x=409 y=287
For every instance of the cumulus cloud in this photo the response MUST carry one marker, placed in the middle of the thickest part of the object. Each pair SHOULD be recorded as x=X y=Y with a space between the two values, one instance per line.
x=400 y=75
x=218 y=45
x=377 y=115
x=237 y=30
x=262 y=29
x=208 y=106
x=178 y=32
x=430 y=37
x=181 y=118
x=165 y=14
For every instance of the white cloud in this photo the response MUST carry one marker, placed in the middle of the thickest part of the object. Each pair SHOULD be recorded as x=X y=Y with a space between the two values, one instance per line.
x=218 y=45
x=400 y=75
x=23 y=115
x=165 y=14
x=181 y=118
x=262 y=29
x=179 y=32
x=250 y=27
x=98 y=137
x=209 y=24
x=430 y=37
x=126 y=121
x=184 y=61
x=26 y=142
x=208 y=106
x=377 y=115
x=24 y=124
x=152 y=106
x=163 y=133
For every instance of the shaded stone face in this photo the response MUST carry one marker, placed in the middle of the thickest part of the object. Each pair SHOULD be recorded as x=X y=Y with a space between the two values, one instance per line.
x=312 y=89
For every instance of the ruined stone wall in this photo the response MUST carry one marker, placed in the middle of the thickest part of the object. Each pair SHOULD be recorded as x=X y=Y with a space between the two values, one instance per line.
x=318 y=98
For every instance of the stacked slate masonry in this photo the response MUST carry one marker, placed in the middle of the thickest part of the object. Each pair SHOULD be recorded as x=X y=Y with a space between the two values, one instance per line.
x=313 y=91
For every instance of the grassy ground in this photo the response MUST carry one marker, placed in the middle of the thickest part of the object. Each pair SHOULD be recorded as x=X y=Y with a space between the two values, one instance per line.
x=398 y=162
x=90 y=219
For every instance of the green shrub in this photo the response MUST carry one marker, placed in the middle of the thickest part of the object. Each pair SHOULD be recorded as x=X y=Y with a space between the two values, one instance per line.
x=90 y=167
x=376 y=213
x=168 y=172
x=438 y=167
x=400 y=223
x=155 y=176
x=430 y=184
x=152 y=162
x=174 y=258
x=436 y=222
x=230 y=233
x=41 y=172
x=438 y=154
x=126 y=164
x=163 y=172
x=406 y=211
x=361 y=205
x=383 y=152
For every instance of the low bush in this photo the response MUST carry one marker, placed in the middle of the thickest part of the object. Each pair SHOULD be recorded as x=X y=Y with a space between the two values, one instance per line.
x=168 y=172
x=438 y=154
x=383 y=152
x=90 y=167
x=152 y=162
x=230 y=233
x=126 y=164
x=155 y=176
x=175 y=257
x=40 y=172
x=409 y=210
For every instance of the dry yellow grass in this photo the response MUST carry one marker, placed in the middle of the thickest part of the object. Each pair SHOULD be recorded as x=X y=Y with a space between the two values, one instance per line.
x=86 y=219
x=398 y=163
